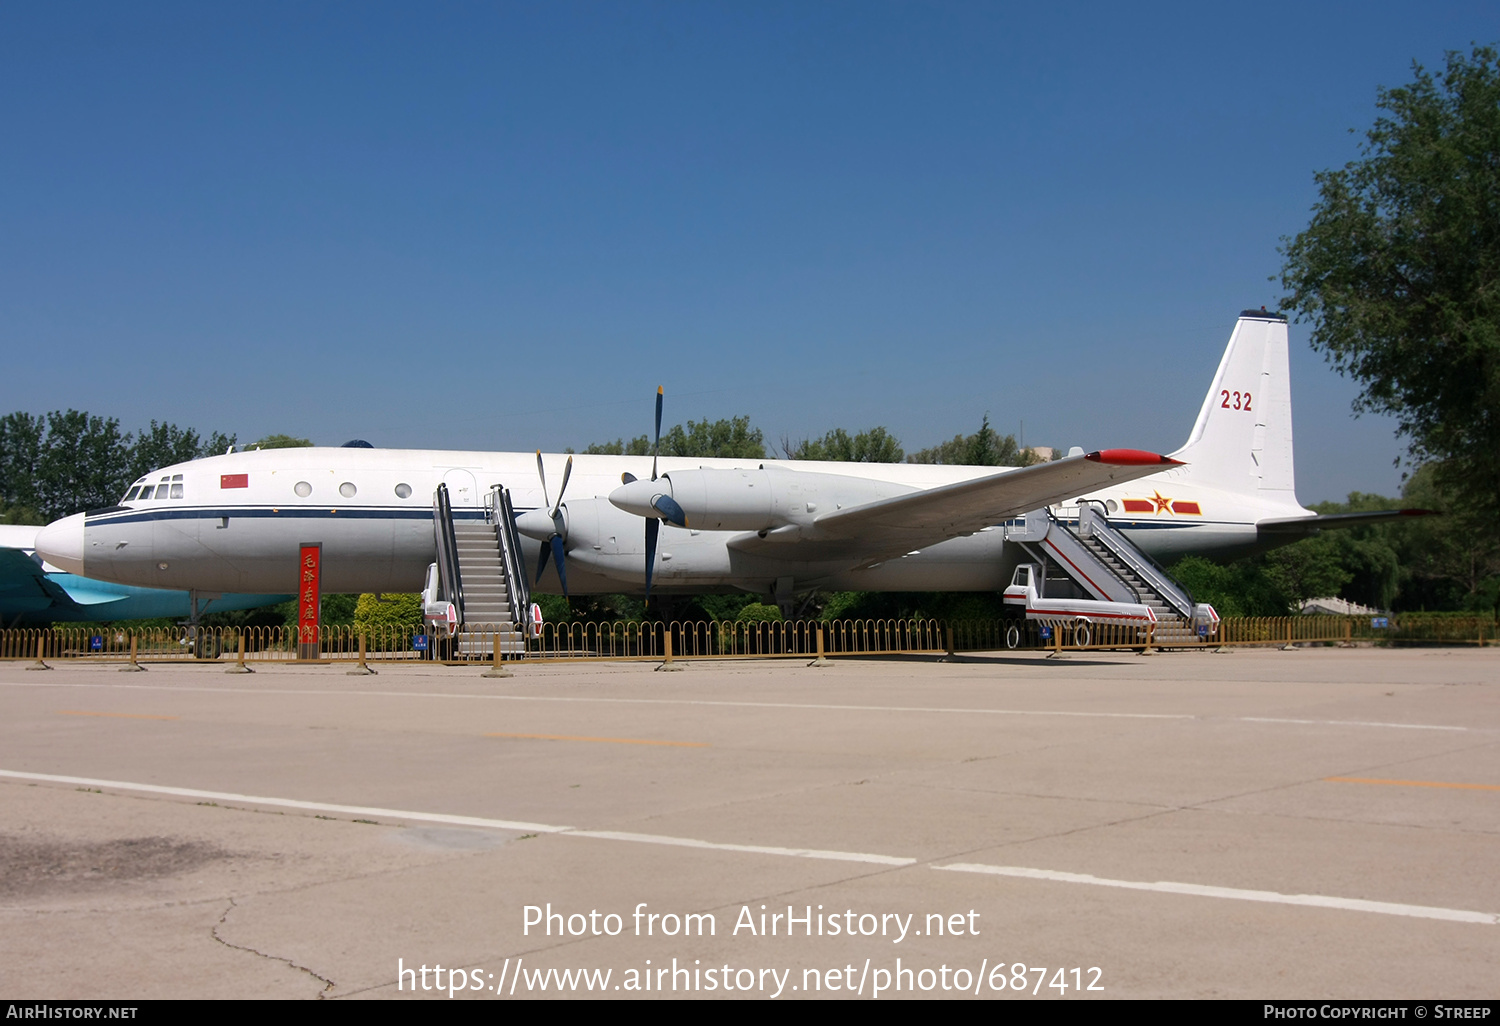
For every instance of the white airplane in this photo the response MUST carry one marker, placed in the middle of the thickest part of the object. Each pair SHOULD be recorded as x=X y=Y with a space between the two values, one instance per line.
x=234 y=523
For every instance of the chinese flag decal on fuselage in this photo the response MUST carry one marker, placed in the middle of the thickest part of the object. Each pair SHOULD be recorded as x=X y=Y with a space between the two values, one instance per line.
x=1160 y=504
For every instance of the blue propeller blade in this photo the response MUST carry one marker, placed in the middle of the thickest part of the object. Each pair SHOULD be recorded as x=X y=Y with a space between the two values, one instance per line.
x=653 y=526
x=541 y=563
x=557 y=556
x=670 y=510
x=656 y=445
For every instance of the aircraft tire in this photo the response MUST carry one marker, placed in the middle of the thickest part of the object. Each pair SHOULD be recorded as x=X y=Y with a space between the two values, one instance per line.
x=207 y=645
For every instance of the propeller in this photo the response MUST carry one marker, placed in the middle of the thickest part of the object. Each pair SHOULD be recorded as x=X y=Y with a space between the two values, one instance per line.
x=559 y=526
x=664 y=504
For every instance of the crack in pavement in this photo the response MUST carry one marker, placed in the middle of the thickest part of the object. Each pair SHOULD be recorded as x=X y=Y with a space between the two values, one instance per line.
x=214 y=933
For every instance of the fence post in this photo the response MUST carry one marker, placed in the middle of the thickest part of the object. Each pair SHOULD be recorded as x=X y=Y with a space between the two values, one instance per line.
x=667 y=637
x=1150 y=638
x=497 y=668
x=363 y=669
x=1289 y=647
x=948 y=656
x=238 y=666
x=133 y=666
x=41 y=640
x=1056 y=642
x=820 y=661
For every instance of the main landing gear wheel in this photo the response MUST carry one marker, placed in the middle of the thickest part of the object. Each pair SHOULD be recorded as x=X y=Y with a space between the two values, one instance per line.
x=206 y=645
x=1081 y=636
x=1013 y=636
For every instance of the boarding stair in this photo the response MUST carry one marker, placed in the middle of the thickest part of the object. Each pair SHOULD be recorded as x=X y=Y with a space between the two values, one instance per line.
x=481 y=572
x=1095 y=560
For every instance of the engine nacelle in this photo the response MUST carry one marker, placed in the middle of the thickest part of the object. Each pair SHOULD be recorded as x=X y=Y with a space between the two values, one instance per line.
x=762 y=499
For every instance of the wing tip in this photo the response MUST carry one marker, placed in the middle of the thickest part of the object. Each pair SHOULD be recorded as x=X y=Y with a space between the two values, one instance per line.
x=1131 y=458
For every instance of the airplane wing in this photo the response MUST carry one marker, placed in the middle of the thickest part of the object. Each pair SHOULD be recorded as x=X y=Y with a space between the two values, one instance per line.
x=1312 y=525
x=906 y=523
x=965 y=507
x=25 y=588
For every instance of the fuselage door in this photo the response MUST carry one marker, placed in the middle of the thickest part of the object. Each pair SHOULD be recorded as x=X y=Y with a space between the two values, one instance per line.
x=462 y=490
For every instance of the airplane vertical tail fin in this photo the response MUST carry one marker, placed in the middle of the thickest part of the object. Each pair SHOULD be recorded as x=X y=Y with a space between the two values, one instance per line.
x=1242 y=440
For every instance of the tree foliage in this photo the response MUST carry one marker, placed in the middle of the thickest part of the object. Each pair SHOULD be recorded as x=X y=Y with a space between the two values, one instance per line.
x=984 y=448
x=1399 y=271
x=730 y=439
x=280 y=442
x=67 y=461
x=876 y=445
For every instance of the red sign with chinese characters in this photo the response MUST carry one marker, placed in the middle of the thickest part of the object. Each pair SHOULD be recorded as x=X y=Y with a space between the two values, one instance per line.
x=234 y=480
x=309 y=595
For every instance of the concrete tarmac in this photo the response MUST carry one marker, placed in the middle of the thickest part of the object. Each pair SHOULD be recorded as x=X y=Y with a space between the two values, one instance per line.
x=1323 y=823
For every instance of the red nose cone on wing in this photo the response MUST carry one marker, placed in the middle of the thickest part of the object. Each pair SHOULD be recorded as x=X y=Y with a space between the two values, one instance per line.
x=1132 y=458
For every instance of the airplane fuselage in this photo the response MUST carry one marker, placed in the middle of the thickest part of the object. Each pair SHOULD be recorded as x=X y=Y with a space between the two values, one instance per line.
x=234 y=523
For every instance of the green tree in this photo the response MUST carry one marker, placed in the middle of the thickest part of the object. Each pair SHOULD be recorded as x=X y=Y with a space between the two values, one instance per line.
x=730 y=439
x=1399 y=271
x=876 y=445
x=279 y=442
x=162 y=445
x=984 y=448
x=84 y=464
x=373 y=611
x=21 y=436
x=1447 y=562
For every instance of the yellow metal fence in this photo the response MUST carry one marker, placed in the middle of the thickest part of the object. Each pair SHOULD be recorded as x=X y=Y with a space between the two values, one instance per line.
x=718 y=639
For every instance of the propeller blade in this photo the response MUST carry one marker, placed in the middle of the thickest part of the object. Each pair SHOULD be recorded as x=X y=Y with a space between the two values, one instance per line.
x=541 y=472
x=541 y=562
x=567 y=473
x=557 y=557
x=656 y=445
x=653 y=526
x=670 y=510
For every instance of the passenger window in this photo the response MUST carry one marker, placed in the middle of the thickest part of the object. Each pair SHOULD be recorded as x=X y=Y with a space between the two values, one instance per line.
x=177 y=491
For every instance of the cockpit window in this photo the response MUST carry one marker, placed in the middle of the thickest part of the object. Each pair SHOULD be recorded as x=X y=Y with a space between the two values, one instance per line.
x=176 y=490
x=146 y=492
x=132 y=493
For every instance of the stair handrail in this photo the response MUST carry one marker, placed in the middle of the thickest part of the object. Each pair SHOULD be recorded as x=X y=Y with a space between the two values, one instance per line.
x=1060 y=525
x=447 y=546
x=1148 y=569
x=511 y=560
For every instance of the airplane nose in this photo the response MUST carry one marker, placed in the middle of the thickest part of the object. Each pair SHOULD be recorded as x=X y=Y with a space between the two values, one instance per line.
x=61 y=543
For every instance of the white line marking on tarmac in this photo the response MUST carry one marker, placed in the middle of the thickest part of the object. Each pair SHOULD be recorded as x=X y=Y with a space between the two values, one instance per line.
x=742 y=705
x=802 y=853
x=1168 y=887
x=1350 y=723
x=292 y=803
x=473 y=821
x=1203 y=891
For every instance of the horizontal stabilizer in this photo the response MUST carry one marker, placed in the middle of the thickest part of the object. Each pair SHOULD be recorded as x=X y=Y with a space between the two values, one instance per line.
x=1329 y=521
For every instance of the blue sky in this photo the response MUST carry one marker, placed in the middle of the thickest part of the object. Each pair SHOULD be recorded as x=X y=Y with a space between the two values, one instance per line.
x=501 y=226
